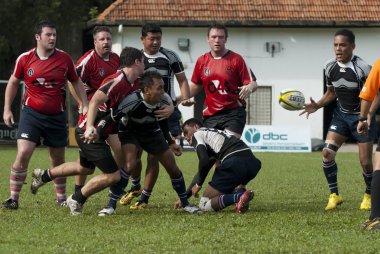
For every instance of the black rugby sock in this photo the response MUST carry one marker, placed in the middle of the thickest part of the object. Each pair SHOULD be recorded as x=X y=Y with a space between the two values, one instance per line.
x=331 y=172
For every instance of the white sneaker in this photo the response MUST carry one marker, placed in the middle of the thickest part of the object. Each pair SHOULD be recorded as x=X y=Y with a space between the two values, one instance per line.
x=36 y=180
x=106 y=211
x=191 y=209
x=76 y=208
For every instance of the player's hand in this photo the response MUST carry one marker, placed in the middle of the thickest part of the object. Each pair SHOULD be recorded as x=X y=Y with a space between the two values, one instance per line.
x=164 y=112
x=188 y=102
x=177 y=204
x=246 y=91
x=8 y=118
x=309 y=108
x=90 y=135
x=195 y=190
x=362 y=128
x=176 y=149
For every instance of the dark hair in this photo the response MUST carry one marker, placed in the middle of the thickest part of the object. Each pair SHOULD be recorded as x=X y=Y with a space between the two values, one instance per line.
x=217 y=26
x=146 y=80
x=150 y=28
x=129 y=55
x=348 y=33
x=99 y=29
x=191 y=122
x=41 y=24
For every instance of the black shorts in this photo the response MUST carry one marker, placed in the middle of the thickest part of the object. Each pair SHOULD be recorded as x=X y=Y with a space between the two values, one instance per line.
x=345 y=124
x=153 y=143
x=96 y=155
x=174 y=122
x=233 y=120
x=235 y=170
x=34 y=126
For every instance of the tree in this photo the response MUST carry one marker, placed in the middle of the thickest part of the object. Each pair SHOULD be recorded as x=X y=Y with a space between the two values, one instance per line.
x=19 y=16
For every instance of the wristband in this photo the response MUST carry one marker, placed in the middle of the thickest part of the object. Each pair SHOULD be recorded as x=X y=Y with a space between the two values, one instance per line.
x=362 y=118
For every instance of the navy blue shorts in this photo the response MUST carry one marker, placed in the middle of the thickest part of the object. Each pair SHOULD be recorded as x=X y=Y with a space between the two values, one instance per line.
x=233 y=120
x=51 y=129
x=235 y=170
x=345 y=124
x=153 y=143
x=96 y=154
x=174 y=122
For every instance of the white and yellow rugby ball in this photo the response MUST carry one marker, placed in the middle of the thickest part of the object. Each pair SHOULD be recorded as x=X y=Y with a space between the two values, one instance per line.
x=291 y=99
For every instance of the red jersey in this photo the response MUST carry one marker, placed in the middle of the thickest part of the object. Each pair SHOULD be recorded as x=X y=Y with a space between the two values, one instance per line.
x=116 y=87
x=93 y=69
x=45 y=80
x=221 y=78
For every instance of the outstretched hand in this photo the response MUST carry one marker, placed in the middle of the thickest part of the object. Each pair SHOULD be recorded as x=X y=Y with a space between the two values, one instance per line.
x=309 y=108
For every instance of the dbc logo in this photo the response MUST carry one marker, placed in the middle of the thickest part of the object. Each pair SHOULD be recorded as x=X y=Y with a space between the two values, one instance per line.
x=252 y=135
x=273 y=136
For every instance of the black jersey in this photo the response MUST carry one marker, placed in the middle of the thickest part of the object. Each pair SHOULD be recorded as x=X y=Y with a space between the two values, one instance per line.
x=137 y=115
x=347 y=80
x=167 y=63
x=219 y=144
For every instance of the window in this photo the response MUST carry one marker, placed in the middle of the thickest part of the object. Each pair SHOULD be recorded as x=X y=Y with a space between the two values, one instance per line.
x=259 y=106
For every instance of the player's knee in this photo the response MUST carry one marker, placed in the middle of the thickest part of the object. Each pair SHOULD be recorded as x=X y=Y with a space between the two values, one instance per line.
x=85 y=171
x=329 y=151
x=205 y=204
x=131 y=166
x=366 y=165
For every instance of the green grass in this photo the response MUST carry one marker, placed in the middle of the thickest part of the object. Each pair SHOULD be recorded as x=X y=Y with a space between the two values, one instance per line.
x=286 y=215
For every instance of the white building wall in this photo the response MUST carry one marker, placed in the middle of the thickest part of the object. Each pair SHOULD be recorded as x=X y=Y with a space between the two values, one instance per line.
x=298 y=65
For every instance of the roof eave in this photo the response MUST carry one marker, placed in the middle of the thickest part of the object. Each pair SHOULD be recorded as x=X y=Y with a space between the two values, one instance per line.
x=235 y=23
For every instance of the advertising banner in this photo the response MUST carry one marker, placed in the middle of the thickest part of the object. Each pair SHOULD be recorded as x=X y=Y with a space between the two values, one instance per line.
x=263 y=138
x=8 y=135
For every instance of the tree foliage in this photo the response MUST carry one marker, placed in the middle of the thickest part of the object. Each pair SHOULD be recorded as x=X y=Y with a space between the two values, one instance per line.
x=18 y=17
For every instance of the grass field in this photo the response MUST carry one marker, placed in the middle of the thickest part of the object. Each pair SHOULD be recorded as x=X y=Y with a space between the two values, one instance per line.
x=286 y=215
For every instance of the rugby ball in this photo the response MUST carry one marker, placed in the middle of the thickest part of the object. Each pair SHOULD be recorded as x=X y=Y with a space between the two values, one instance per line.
x=291 y=99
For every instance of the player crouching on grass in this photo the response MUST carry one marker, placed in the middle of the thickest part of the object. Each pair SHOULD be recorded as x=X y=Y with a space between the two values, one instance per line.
x=237 y=167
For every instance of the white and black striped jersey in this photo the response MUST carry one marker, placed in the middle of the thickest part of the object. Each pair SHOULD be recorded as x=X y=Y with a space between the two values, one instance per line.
x=137 y=115
x=219 y=144
x=167 y=63
x=347 y=80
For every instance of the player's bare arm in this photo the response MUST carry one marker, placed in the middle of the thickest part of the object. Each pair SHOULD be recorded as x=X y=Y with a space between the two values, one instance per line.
x=313 y=106
x=245 y=91
x=81 y=93
x=194 y=90
x=363 y=125
x=98 y=99
x=185 y=89
x=10 y=94
x=75 y=95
